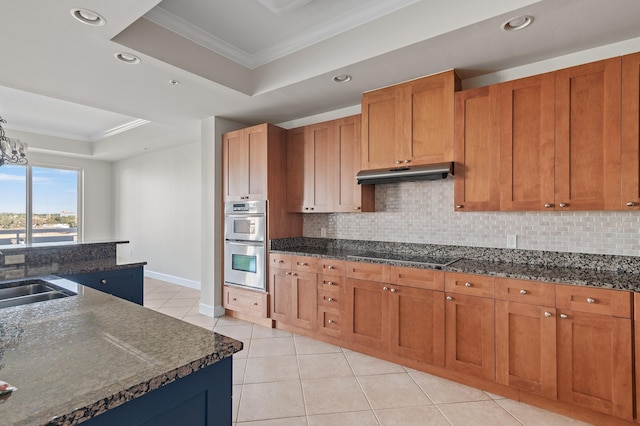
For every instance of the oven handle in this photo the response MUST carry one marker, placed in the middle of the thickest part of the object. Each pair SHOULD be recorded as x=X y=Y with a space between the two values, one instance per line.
x=248 y=215
x=245 y=243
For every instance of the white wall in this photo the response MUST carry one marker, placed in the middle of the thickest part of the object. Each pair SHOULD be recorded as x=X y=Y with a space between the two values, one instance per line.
x=158 y=208
x=97 y=212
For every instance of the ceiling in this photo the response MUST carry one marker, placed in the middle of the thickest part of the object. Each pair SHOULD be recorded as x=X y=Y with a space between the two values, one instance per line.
x=250 y=62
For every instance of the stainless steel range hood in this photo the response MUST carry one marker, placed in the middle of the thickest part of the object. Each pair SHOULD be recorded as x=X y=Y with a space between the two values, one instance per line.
x=405 y=174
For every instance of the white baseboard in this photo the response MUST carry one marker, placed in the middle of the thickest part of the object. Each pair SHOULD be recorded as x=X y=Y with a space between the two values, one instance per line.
x=211 y=311
x=173 y=279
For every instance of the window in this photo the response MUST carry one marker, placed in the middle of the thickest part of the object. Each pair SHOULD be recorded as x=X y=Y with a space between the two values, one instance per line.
x=39 y=204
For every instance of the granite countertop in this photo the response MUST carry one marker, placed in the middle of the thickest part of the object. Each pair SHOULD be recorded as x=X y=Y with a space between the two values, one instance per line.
x=74 y=358
x=82 y=266
x=626 y=281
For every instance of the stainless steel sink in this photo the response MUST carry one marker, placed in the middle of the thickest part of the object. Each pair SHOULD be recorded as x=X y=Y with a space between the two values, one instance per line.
x=30 y=291
x=24 y=290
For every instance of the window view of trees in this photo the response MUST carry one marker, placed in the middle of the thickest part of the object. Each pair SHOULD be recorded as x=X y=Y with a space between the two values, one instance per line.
x=54 y=202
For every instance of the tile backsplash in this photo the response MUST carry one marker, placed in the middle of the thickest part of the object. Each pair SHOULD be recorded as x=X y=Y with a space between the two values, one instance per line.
x=422 y=212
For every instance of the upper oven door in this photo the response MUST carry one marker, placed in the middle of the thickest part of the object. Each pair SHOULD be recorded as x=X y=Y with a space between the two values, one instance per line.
x=245 y=221
x=245 y=227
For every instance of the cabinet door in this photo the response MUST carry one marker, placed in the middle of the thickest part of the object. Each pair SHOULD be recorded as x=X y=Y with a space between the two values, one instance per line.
x=430 y=119
x=526 y=348
x=588 y=136
x=631 y=132
x=416 y=323
x=469 y=335
x=295 y=170
x=236 y=160
x=368 y=313
x=304 y=299
x=256 y=140
x=595 y=367
x=527 y=143
x=383 y=128
x=281 y=294
x=348 y=195
x=477 y=150
x=318 y=168
x=123 y=283
x=245 y=163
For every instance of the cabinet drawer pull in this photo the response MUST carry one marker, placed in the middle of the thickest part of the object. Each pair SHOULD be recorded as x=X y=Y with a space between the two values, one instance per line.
x=398 y=161
x=393 y=290
x=303 y=264
x=563 y=316
x=330 y=321
x=358 y=208
x=548 y=205
x=449 y=298
x=547 y=314
x=631 y=204
x=293 y=274
x=330 y=299
x=590 y=300
x=459 y=206
x=103 y=281
x=385 y=288
x=523 y=292
x=467 y=285
x=563 y=205
x=330 y=283
x=278 y=261
x=330 y=267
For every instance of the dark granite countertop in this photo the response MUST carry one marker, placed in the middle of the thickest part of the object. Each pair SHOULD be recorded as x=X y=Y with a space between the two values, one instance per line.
x=81 y=266
x=74 y=358
x=540 y=270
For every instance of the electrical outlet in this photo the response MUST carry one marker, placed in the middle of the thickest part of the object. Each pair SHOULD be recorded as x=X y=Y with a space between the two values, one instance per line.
x=323 y=232
x=13 y=259
x=512 y=241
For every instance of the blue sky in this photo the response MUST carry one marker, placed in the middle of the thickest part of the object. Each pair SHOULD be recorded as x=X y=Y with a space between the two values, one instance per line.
x=54 y=190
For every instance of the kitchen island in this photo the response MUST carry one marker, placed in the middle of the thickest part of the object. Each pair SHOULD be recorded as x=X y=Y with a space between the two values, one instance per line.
x=97 y=359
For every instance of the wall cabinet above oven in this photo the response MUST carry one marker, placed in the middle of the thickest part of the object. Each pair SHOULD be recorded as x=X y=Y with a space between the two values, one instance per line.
x=254 y=169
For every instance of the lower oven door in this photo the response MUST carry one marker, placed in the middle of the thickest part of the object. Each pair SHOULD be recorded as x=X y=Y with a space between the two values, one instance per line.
x=245 y=264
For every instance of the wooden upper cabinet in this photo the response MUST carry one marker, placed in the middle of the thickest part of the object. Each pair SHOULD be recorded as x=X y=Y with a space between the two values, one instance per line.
x=630 y=157
x=245 y=163
x=477 y=150
x=409 y=123
x=588 y=136
x=322 y=162
x=527 y=144
x=310 y=168
x=348 y=196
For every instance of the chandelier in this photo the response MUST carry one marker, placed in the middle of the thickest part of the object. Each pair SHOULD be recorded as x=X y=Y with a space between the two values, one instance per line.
x=12 y=151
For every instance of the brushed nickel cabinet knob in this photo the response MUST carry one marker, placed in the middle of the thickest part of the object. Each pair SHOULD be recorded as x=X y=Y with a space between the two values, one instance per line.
x=103 y=281
x=563 y=316
x=548 y=205
x=467 y=285
x=385 y=288
x=631 y=204
x=523 y=292
x=547 y=314
x=449 y=298
x=590 y=300
x=563 y=205
x=330 y=321
x=393 y=290
x=459 y=206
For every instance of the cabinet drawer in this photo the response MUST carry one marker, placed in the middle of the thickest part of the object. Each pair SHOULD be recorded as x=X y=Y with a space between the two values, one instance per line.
x=245 y=301
x=473 y=285
x=305 y=263
x=282 y=261
x=329 y=321
x=414 y=277
x=368 y=271
x=330 y=299
x=332 y=267
x=525 y=291
x=331 y=283
x=616 y=303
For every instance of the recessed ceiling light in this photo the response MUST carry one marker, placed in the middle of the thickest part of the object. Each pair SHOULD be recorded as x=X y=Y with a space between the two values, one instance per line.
x=88 y=17
x=342 y=78
x=174 y=82
x=127 y=58
x=517 y=23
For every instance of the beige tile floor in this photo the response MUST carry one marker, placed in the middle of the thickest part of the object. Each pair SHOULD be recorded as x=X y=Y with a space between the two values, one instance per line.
x=283 y=379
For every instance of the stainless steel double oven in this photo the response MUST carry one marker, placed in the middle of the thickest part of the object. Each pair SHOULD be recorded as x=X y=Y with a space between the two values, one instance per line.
x=245 y=242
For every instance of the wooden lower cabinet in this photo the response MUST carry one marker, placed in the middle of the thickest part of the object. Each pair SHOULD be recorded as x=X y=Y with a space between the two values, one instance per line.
x=526 y=348
x=293 y=297
x=416 y=319
x=469 y=335
x=368 y=313
x=595 y=362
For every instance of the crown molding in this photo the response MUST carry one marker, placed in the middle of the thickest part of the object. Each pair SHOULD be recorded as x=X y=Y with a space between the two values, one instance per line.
x=118 y=129
x=311 y=36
